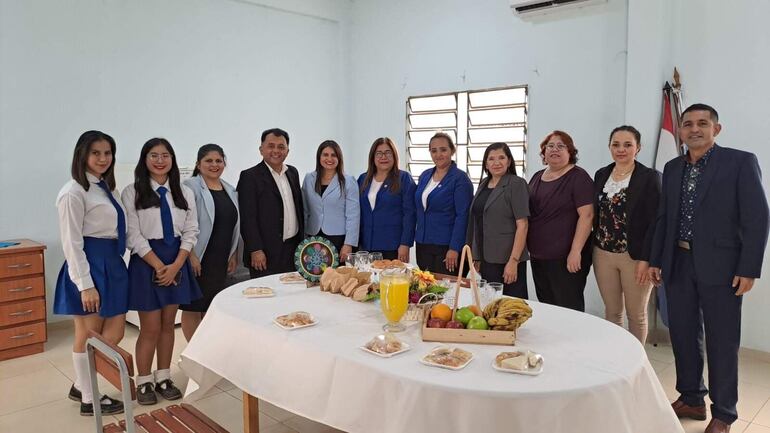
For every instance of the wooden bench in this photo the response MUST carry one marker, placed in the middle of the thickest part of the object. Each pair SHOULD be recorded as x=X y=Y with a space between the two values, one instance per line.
x=117 y=367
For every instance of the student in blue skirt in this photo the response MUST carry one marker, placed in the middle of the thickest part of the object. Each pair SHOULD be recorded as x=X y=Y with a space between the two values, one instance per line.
x=162 y=230
x=93 y=282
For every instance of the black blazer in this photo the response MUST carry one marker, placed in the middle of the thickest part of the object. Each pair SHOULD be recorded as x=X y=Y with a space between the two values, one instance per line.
x=643 y=196
x=261 y=210
x=731 y=218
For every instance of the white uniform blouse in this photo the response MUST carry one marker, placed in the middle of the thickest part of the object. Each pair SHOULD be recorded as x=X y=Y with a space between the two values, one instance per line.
x=84 y=214
x=145 y=224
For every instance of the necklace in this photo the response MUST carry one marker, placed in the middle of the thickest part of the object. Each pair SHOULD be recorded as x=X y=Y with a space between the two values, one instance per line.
x=619 y=174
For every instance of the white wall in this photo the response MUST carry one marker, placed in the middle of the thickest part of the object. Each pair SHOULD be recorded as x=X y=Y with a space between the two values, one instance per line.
x=193 y=71
x=721 y=51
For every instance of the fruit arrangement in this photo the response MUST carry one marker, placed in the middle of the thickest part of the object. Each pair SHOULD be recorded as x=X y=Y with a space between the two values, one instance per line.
x=465 y=318
x=507 y=314
x=348 y=282
x=424 y=282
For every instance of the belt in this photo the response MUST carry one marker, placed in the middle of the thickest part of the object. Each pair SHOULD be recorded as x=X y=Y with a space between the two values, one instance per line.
x=685 y=245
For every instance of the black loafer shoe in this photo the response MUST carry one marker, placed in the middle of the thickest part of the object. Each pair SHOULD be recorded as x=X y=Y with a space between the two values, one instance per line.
x=167 y=390
x=145 y=394
x=75 y=394
x=108 y=405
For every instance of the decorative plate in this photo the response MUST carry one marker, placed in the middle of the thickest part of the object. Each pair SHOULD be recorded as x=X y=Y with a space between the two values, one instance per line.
x=313 y=255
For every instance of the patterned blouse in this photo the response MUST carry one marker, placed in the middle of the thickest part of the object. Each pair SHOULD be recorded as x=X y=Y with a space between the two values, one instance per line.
x=611 y=233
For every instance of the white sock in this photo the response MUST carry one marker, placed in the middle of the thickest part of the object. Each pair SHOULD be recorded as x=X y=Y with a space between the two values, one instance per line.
x=141 y=380
x=82 y=376
x=161 y=375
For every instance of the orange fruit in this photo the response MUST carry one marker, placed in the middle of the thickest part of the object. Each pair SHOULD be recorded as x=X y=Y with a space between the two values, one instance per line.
x=441 y=311
x=476 y=310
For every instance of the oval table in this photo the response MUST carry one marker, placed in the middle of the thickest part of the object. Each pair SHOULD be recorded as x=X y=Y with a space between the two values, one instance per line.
x=596 y=375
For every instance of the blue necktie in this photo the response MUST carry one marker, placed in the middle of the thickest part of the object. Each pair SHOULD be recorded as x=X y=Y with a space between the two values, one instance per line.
x=165 y=217
x=121 y=218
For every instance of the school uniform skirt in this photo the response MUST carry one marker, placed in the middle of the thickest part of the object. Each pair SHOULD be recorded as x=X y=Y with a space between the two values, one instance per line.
x=108 y=271
x=145 y=295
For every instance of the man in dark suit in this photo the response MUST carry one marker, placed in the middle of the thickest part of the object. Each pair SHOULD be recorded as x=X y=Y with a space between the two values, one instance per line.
x=270 y=203
x=710 y=237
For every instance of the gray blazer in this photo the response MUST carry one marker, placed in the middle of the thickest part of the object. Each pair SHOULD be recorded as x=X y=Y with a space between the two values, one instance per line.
x=204 y=204
x=507 y=202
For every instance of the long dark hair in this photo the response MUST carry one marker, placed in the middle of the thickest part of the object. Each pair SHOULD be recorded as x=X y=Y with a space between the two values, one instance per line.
x=205 y=150
x=394 y=177
x=506 y=150
x=80 y=159
x=145 y=196
x=319 y=170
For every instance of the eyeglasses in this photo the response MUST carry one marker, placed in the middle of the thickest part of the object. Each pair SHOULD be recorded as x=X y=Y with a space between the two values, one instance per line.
x=556 y=146
x=159 y=156
x=384 y=154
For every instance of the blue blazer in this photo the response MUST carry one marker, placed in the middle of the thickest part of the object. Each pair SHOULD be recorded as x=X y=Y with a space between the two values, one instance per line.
x=446 y=217
x=391 y=223
x=204 y=204
x=333 y=213
x=731 y=218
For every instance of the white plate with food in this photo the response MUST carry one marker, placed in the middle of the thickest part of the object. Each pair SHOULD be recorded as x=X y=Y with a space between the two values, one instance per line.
x=258 y=292
x=522 y=361
x=292 y=278
x=295 y=320
x=385 y=346
x=452 y=358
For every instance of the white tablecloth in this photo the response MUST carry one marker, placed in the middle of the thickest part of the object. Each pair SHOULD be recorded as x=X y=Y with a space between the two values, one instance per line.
x=596 y=375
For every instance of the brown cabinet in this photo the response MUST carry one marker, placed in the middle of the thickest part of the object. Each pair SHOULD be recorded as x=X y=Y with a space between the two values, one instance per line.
x=22 y=299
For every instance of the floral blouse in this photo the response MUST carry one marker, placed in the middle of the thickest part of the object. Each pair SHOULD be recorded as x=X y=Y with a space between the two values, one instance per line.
x=611 y=233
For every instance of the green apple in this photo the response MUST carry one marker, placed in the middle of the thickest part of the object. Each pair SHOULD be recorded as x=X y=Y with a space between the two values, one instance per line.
x=477 y=322
x=464 y=315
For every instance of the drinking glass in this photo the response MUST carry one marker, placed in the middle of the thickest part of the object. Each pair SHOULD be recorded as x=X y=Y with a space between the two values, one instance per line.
x=394 y=297
x=362 y=261
x=350 y=260
x=494 y=292
x=373 y=257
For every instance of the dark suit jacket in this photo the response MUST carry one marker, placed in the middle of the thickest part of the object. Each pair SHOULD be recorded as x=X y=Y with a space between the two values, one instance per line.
x=261 y=210
x=507 y=202
x=731 y=218
x=643 y=196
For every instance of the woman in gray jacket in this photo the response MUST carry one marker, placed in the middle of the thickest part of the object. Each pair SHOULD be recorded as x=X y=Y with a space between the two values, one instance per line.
x=213 y=256
x=498 y=221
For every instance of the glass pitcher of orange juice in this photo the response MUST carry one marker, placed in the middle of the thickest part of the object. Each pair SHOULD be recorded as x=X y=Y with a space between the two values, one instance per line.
x=394 y=297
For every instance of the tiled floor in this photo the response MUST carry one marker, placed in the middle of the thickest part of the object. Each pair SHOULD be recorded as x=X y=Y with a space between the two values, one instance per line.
x=33 y=394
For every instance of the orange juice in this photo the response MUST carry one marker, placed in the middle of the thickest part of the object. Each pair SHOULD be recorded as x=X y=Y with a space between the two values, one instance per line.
x=394 y=298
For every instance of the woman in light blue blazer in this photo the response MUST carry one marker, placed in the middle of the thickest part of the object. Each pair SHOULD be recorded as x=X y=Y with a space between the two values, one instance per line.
x=331 y=200
x=387 y=203
x=442 y=199
x=213 y=256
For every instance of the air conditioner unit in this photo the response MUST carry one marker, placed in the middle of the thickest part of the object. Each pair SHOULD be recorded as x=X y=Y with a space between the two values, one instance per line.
x=528 y=8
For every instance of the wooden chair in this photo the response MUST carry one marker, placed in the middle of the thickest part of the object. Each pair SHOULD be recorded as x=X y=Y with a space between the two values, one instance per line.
x=117 y=367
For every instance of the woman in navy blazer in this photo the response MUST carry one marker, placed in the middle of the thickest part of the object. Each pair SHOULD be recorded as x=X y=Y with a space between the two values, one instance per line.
x=331 y=200
x=442 y=200
x=213 y=256
x=387 y=203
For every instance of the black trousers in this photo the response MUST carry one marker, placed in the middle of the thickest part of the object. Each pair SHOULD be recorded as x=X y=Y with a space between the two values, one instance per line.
x=554 y=284
x=337 y=240
x=388 y=255
x=493 y=273
x=692 y=307
x=279 y=262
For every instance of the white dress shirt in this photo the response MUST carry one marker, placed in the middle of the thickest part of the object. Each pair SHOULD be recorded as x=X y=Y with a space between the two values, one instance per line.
x=374 y=188
x=428 y=189
x=145 y=224
x=290 y=223
x=84 y=213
